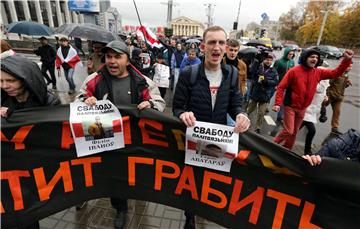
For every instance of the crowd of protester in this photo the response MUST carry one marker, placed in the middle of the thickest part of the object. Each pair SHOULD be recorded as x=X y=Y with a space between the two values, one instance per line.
x=208 y=80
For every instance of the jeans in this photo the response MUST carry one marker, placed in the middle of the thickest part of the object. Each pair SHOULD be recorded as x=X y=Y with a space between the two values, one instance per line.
x=292 y=122
x=69 y=78
x=230 y=121
x=176 y=78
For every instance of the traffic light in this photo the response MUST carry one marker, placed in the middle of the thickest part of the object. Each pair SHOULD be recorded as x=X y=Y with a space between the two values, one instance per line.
x=235 y=25
x=168 y=32
x=262 y=33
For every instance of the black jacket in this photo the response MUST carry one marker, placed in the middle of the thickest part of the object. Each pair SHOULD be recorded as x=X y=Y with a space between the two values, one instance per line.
x=197 y=97
x=47 y=54
x=344 y=147
x=30 y=75
x=264 y=90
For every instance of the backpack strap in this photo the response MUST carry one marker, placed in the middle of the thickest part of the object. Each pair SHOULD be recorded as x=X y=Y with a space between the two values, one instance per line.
x=233 y=75
x=194 y=70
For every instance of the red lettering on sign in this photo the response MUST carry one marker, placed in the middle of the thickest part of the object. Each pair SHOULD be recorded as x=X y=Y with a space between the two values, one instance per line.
x=127 y=130
x=206 y=189
x=19 y=137
x=44 y=188
x=132 y=161
x=283 y=200
x=255 y=198
x=159 y=172
x=66 y=137
x=306 y=215
x=187 y=181
x=87 y=162
x=13 y=178
x=146 y=134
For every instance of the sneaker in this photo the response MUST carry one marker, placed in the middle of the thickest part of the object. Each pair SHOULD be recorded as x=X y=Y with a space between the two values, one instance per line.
x=119 y=221
x=54 y=87
x=336 y=131
x=190 y=222
x=71 y=91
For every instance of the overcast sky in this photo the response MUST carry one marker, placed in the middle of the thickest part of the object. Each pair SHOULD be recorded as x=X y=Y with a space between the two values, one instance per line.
x=153 y=13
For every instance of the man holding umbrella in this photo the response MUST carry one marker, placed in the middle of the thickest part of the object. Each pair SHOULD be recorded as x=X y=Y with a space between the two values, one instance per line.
x=47 y=57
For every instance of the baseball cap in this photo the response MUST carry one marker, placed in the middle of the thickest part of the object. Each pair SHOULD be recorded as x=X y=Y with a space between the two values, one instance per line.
x=118 y=46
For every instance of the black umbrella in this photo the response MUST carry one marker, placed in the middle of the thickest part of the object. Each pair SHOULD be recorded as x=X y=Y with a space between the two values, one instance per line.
x=255 y=43
x=29 y=28
x=87 y=31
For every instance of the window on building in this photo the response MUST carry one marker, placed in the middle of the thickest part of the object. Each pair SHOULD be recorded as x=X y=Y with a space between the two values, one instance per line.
x=32 y=10
x=54 y=14
x=20 y=10
x=5 y=6
x=44 y=13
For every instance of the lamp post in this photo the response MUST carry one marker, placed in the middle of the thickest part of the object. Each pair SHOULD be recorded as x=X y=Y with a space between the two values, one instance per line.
x=322 y=26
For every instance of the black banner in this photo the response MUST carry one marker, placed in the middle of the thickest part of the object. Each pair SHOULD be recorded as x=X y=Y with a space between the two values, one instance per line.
x=268 y=186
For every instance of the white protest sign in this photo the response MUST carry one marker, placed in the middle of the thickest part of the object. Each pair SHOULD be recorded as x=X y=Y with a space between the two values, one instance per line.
x=211 y=145
x=96 y=128
x=161 y=75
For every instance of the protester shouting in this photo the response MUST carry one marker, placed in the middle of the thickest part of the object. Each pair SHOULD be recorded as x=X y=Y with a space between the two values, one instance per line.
x=122 y=84
x=212 y=94
x=300 y=84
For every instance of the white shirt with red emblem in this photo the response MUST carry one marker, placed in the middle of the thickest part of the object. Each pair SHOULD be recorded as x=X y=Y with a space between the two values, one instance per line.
x=214 y=78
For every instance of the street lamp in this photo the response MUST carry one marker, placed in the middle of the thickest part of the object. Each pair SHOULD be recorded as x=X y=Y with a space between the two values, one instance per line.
x=322 y=26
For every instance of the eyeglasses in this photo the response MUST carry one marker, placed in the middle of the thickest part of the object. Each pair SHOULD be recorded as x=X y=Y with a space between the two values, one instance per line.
x=214 y=42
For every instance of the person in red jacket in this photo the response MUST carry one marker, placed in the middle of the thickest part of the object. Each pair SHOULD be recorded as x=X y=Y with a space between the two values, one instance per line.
x=300 y=85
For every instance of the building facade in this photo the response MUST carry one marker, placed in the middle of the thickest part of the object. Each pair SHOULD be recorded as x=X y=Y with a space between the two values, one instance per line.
x=55 y=13
x=183 y=26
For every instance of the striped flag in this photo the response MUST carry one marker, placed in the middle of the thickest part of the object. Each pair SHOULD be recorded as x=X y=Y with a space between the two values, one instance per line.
x=151 y=38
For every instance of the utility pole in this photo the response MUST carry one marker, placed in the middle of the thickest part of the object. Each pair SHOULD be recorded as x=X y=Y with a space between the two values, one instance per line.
x=322 y=27
x=209 y=13
x=170 y=4
x=238 y=14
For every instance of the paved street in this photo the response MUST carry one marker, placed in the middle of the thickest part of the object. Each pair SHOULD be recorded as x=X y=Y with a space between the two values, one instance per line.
x=146 y=215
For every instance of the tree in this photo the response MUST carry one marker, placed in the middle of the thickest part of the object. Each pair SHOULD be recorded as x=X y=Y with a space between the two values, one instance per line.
x=350 y=24
x=313 y=15
x=291 y=22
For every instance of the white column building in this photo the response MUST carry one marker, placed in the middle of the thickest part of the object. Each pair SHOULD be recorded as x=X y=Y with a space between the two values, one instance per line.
x=38 y=12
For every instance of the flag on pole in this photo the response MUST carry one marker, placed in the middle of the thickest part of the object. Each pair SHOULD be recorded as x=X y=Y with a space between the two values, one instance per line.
x=150 y=37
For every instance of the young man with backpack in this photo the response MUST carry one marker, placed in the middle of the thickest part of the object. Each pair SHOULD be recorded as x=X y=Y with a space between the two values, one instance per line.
x=211 y=93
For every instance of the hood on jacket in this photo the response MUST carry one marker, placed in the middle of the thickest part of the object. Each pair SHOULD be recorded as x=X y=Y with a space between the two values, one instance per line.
x=28 y=72
x=286 y=52
x=308 y=52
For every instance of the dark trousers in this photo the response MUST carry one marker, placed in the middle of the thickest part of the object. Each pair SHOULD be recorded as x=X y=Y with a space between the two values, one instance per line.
x=35 y=225
x=119 y=204
x=51 y=69
x=162 y=91
x=310 y=135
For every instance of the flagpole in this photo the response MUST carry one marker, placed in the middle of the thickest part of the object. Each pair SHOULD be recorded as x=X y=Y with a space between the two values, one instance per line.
x=137 y=12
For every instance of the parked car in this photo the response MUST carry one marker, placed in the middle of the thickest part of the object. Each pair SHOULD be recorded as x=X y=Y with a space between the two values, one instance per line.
x=277 y=45
x=293 y=47
x=328 y=51
x=267 y=42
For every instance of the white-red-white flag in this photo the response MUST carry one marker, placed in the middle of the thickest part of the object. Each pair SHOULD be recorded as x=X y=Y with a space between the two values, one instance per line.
x=151 y=38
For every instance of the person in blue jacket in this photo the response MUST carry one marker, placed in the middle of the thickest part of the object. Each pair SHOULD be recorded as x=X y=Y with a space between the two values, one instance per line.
x=344 y=147
x=189 y=59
